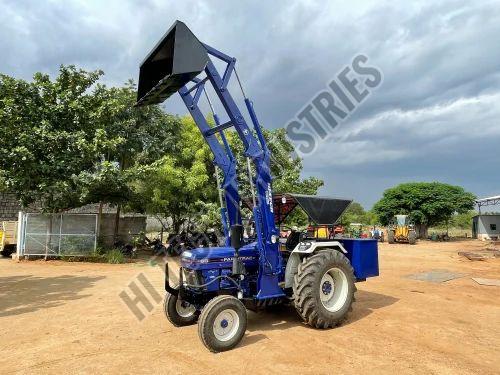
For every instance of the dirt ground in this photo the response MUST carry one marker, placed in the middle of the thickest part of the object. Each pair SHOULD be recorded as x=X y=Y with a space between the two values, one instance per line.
x=58 y=317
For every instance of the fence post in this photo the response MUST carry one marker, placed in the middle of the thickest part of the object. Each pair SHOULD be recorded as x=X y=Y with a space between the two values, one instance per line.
x=96 y=231
x=60 y=235
x=20 y=237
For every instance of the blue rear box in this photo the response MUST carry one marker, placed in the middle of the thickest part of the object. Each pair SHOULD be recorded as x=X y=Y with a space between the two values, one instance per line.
x=363 y=255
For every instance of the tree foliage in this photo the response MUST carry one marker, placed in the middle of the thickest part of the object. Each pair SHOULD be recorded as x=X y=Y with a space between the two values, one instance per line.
x=286 y=168
x=69 y=141
x=182 y=186
x=176 y=185
x=428 y=203
x=47 y=132
x=355 y=213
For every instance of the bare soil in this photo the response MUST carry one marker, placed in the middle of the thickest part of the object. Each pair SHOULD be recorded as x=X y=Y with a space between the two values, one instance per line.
x=58 y=317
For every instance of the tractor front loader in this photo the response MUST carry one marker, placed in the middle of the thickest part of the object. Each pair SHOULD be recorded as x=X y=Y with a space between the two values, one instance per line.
x=402 y=229
x=218 y=284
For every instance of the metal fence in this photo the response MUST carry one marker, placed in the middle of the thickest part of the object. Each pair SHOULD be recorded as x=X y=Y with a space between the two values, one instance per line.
x=56 y=235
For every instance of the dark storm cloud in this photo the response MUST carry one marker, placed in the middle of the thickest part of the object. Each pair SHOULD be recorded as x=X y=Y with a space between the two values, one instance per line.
x=433 y=118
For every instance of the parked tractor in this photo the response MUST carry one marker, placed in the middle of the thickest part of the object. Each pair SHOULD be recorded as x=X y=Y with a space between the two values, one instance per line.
x=402 y=230
x=216 y=285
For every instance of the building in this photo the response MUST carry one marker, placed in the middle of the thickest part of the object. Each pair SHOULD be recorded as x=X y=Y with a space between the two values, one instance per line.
x=486 y=227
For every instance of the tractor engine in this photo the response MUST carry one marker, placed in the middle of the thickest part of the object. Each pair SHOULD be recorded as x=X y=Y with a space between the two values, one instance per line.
x=208 y=270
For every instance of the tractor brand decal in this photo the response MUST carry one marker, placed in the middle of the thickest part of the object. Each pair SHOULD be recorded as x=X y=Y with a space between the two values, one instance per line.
x=230 y=259
x=269 y=198
x=219 y=260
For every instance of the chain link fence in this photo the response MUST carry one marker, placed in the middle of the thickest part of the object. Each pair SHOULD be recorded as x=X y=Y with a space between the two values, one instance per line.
x=59 y=234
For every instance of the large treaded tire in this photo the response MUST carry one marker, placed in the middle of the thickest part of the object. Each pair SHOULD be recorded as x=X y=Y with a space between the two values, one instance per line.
x=412 y=237
x=307 y=289
x=208 y=322
x=170 y=308
x=390 y=236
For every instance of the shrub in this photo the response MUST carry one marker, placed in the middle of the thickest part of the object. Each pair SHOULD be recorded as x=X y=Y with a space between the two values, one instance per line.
x=115 y=256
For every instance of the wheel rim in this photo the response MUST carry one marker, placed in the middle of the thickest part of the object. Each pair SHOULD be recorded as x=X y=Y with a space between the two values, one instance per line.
x=184 y=309
x=334 y=289
x=226 y=325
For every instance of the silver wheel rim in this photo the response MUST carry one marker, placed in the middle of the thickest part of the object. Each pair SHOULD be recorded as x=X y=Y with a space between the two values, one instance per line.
x=226 y=325
x=184 y=309
x=334 y=289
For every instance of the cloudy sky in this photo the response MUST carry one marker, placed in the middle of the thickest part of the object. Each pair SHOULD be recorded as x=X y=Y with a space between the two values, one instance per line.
x=436 y=116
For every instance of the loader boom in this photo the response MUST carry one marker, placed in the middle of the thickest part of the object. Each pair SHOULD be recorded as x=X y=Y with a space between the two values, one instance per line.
x=181 y=63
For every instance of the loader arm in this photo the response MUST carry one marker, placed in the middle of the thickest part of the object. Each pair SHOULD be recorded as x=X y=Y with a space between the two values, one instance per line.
x=181 y=63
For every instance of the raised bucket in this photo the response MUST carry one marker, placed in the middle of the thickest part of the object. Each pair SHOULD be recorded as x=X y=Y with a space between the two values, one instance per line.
x=173 y=62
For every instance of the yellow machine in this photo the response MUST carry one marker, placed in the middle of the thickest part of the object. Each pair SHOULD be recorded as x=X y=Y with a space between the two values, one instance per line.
x=8 y=238
x=401 y=229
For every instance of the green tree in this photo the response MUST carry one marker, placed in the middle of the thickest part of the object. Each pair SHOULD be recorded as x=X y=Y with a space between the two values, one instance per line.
x=48 y=133
x=286 y=168
x=355 y=213
x=427 y=203
x=71 y=140
x=60 y=136
x=177 y=185
x=131 y=137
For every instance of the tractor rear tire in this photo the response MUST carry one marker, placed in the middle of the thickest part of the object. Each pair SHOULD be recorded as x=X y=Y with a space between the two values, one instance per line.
x=390 y=236
x=178 y=312
x=222 y=324
x=324 y=289
x=412 y=237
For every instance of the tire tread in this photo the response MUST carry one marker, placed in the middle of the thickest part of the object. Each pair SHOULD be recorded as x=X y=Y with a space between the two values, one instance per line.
x=305 y=301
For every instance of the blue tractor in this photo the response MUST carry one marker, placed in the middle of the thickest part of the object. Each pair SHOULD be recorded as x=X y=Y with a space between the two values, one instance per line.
x=218 y=284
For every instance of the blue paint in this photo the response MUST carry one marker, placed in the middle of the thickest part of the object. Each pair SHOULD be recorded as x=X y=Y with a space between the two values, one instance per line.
x=326 y=288
x=363 y=255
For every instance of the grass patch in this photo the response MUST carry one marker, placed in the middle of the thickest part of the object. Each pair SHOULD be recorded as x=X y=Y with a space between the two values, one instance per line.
x=99 y=255
x=114 y=256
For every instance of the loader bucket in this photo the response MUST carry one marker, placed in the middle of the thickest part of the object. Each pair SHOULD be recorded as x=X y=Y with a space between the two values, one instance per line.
x=173 y=62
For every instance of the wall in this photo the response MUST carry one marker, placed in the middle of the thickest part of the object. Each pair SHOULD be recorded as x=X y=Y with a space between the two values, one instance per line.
x=129 y=227
x=9 y=207
x=484 y=232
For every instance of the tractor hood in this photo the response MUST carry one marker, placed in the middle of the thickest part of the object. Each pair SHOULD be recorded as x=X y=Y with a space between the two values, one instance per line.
x=218 y=257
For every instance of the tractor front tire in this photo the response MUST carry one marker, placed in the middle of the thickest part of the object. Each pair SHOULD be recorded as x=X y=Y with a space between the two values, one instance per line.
x=222 y=324
x=179 y=313
x=324 y=289
x=390 y=236
x=412 y=237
